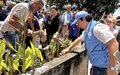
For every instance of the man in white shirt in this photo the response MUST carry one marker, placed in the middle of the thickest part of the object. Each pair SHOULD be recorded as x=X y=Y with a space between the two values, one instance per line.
x=16 y=20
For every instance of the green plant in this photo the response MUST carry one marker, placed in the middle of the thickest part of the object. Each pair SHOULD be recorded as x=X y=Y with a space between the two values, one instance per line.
x=56 y=45
x=2 y=63
x=20 y=61
x=1 y=4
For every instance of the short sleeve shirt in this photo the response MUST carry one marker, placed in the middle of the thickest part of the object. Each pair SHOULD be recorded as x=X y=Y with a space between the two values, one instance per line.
x=102 y=32
x=21 y=11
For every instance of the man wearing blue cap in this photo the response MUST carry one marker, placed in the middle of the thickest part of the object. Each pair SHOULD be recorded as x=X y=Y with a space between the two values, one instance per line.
x=99 y=41
x=17 y=19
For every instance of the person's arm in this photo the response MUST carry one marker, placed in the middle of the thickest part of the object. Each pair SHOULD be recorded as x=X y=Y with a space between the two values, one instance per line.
x=112 y=47
x=74 y=44
x=103 y=33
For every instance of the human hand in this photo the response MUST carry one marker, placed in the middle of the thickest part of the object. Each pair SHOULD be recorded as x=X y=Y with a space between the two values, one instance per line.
x=116 y=68
x=66 y=34
x=55 y=35
x=42 y=33
x=29 y=32
x=64 y=51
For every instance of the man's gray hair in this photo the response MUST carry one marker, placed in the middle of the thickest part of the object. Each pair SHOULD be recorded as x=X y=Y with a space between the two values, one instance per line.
x=42 y=1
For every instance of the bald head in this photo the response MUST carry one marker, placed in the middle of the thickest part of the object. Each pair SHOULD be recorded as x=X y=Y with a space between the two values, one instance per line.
x=36 y=5
x=38 y=1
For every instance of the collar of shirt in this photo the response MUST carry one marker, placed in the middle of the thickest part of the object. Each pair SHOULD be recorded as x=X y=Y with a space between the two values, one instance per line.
x=86 y=30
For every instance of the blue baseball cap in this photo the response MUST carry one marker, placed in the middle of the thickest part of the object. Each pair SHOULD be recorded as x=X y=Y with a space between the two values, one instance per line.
x=79 y=15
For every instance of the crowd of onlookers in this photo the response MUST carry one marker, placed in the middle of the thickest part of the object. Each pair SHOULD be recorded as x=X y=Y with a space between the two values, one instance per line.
x=54 y=20
x=48 y=22
x=5 y=9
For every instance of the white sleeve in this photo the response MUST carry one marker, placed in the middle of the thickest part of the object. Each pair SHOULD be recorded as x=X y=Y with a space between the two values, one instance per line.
x=102 y=32
x=82 y=36
x=20 y=11
x=115 y=32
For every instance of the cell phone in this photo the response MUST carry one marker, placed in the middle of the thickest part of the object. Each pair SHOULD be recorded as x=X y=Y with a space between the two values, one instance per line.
x=117 y=55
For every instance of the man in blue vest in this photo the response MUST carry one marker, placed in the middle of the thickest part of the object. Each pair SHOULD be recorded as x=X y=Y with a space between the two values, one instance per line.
x=99 y=41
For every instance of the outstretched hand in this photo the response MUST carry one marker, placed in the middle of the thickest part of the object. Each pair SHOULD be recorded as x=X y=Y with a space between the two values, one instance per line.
x=64 y=51
x=29 y=32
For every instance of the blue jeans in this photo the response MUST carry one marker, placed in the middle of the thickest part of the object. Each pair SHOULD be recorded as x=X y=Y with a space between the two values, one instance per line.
x=11 y=37
x=98 y=71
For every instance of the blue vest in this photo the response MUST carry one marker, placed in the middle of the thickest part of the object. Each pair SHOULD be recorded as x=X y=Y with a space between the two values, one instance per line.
x=97 y=51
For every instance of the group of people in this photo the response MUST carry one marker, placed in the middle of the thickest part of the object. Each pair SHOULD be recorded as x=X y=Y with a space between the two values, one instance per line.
x=101 y=31
x=99 y=38
x=5 y=9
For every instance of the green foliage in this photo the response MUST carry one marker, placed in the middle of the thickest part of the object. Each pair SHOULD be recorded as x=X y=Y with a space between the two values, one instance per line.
x=96 y=7
x=20 y=51
x=11 y=47
x=56 y=45
x=28 y=63
x=2 y=48
x=36 y=52
x=16 y=64
x=5 y=65
x=33 y=48
x=39 y=54
x=28 y=51
x=105 y=5
x=22 y=58
x=1 y=4
x=54 y=48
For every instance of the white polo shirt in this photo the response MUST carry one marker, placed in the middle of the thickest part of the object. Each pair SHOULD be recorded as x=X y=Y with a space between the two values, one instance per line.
x=102 y=32
x=21 y=11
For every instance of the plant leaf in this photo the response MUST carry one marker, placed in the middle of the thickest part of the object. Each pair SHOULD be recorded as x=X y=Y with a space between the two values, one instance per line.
x=2 y=47
x=39 y=54
x=28 y=51
x=11 y=47
x=32 y=47
x=19 y=49
x=16 y=64
x=5 y=66
x=28 y=62
x=0 y=63
x=0 y=67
